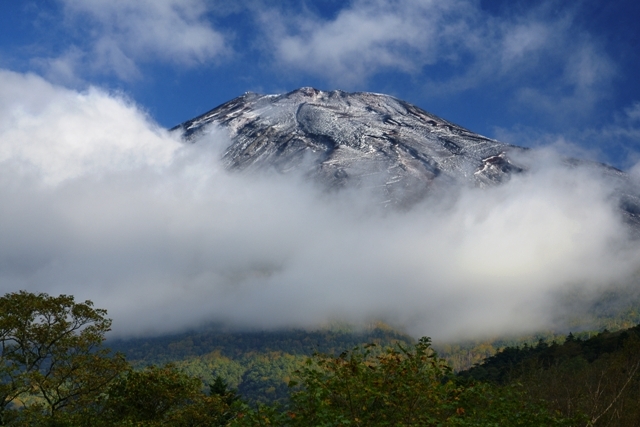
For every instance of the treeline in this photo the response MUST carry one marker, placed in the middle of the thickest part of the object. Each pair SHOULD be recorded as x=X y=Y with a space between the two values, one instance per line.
x=232 y=344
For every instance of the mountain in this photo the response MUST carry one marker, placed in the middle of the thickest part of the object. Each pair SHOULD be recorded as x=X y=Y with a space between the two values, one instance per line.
x=396 y=149
x=354 y=139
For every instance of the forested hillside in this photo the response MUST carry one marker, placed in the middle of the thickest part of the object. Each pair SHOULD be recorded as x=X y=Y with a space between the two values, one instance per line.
x=595 y=376
x=258 y=364
x=612 y=311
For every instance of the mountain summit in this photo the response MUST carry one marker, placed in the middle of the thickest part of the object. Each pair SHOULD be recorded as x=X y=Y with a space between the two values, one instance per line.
x=371 y=140
x=354 y=138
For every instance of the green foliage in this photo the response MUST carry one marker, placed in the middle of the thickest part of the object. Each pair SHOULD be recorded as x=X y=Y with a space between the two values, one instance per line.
x=463 y=355
x=51 y=356
x=397 y=386
x=159 y=396
x=219 y=387
x=394 y=388
x=598 y=380
x=258 y=364
x=266 y=379
x=149 y=394
x=55 y=372
x=235 y=345
x=598 y=377
x=209 y=367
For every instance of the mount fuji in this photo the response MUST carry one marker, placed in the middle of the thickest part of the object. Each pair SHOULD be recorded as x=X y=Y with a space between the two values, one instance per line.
x=399 y=151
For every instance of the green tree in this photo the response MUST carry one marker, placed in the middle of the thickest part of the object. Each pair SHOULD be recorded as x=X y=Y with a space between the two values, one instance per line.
x=219 y=387
x=161 y=396
x=51 y=355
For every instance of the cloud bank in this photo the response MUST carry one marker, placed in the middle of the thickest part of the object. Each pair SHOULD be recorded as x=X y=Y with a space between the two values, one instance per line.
x=98 y=202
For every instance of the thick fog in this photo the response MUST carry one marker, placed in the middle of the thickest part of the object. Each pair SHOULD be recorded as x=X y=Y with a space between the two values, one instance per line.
x=99 y=202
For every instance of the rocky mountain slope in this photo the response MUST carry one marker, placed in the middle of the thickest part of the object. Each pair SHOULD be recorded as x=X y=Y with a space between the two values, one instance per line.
x=370 y=140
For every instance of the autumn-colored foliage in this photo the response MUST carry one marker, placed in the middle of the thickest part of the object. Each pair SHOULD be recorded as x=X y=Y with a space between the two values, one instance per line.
x=398 y=386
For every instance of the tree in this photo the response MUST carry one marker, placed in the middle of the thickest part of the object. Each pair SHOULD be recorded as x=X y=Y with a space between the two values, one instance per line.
x=219 y=387
x=397 y=386
x=51 y=355
x=160 y=396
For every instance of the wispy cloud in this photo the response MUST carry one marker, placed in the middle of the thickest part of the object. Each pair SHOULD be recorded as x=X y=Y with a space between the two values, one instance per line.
x=621 y=136
x=616 y=142
x=586 y=78
x=365 y=37
x=538 y=60
x=119 y=35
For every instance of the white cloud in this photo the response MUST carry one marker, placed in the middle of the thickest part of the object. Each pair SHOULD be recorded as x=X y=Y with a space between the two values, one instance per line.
x=97 y=202
x=364 y=38
x=61 y=134
x=563 y=144
x=64 y=68
x=522 y=39
x=621 y=136
x=535 y=51
x=121 y=34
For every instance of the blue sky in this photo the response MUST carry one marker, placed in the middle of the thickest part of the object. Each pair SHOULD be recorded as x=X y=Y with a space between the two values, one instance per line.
x=526 y=72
